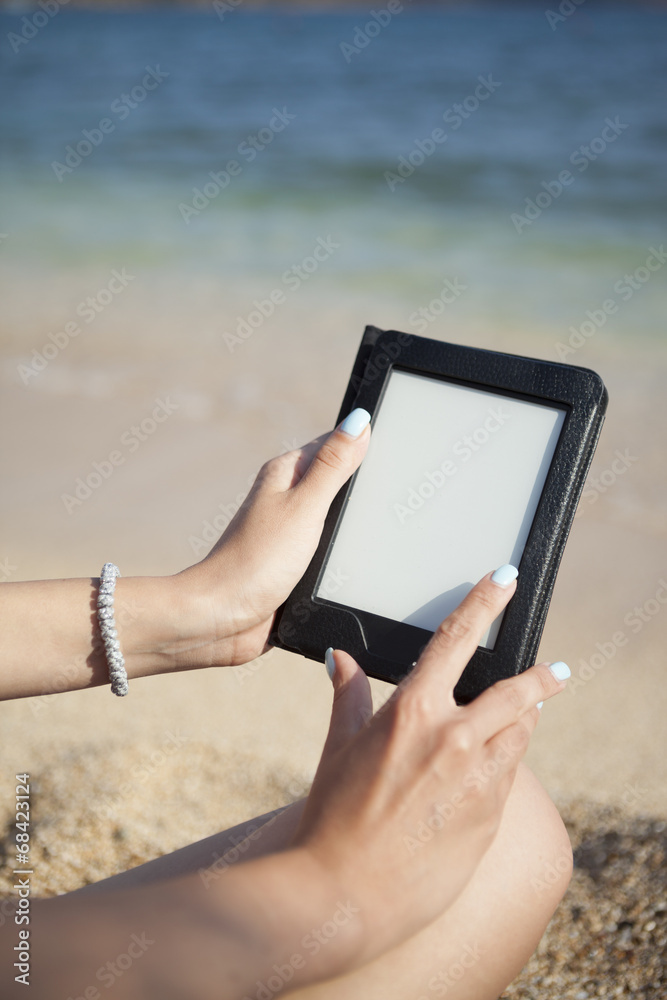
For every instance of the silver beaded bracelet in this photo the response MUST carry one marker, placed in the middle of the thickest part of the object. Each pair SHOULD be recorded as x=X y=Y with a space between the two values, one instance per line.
x=107 y=623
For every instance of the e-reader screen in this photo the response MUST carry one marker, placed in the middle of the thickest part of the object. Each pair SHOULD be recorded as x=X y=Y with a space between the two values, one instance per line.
x=447 y=492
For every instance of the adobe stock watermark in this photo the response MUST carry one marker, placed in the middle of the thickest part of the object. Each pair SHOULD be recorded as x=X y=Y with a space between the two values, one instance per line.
x=291 y=280
x=130 y=442
x=32 y=24
x=65 y=676
x=554 y=873
x=447 y=979
x=329 y=586
x=599 y=484
x=635 y=621
x=565 y=9
x=580 y=158
x=212 y=529
x=248 y=149
x=364 y=34
x=384 y=359
x=121 y=108
x=632 y=794
x=239 y=847
x=454 y=117
x=254 y=831
x=464 y=450
x=7 y=570
x=109 y=973
x=311 y=943
x=106 y=806
x=474 y=780
x=8 y=909
x=224 y=7
x=624 y=289
x=88 y=310
x=451 y=290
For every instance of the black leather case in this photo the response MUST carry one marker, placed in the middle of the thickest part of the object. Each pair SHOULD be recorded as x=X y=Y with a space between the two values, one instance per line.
x=388 y=649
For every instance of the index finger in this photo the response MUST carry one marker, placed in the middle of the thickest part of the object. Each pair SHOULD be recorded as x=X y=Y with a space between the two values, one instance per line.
x=458 y=636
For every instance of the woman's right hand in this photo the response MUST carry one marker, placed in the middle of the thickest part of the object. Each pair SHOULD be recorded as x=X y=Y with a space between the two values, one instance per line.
x=404 y=806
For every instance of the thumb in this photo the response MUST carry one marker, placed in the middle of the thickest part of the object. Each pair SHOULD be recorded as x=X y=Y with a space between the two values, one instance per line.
x=353 y=702
x=336 y=459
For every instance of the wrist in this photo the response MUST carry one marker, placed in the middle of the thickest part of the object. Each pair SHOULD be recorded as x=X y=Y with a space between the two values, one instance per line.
x=167 y=623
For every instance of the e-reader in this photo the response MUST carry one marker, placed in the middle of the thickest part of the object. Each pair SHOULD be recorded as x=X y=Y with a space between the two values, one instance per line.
x=477 y=458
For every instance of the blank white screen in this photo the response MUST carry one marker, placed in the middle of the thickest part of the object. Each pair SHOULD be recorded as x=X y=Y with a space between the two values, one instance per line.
x=447 y=492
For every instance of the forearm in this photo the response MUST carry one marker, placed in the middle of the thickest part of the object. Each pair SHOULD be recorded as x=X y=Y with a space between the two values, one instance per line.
x=51 y=641
x=278 y=918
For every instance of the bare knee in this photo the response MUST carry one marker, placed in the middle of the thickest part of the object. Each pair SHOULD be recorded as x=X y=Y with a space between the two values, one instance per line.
x=534 y=824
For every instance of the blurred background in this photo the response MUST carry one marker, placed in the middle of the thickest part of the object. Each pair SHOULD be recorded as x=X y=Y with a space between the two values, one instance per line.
x=357 y=102
x=164 y=170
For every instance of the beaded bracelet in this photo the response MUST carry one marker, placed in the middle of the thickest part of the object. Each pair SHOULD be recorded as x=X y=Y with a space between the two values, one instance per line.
x=107 y=623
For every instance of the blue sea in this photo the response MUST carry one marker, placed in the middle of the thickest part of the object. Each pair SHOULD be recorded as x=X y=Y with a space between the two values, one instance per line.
x=520 y=158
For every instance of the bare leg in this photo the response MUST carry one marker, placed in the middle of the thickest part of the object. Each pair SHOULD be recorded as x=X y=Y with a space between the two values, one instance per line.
x=212 y=856
x=478 y=946
x=473 y=950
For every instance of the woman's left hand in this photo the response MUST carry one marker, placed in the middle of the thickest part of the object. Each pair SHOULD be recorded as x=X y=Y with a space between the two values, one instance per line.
x=217 y=613
x=231 y=596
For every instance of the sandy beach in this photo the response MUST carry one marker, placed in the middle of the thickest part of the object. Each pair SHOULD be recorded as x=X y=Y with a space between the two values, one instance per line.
x=119 y=335
x=119 y=782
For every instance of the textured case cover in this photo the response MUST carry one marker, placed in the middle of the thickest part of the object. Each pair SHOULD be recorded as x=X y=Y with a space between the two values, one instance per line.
x=388 y=649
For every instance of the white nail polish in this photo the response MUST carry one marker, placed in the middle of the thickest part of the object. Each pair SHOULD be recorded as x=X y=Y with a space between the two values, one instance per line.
x=539 y=705
x=560 y=670
x=355 y=422
x=505 y=575
x=329 y=662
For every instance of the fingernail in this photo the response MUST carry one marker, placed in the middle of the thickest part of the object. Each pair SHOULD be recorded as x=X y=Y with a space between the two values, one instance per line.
x=560 y=670
x=539 y=705
x=355 y=422
x=505 y=575
x=329 y=662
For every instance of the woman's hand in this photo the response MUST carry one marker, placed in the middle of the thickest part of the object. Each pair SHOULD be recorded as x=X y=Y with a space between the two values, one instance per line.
x=217 y=613
x=230 y=597
x=403 y=808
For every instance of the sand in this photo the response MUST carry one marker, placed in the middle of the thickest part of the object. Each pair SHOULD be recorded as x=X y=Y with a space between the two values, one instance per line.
x=116 y=782
x=608 y=938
